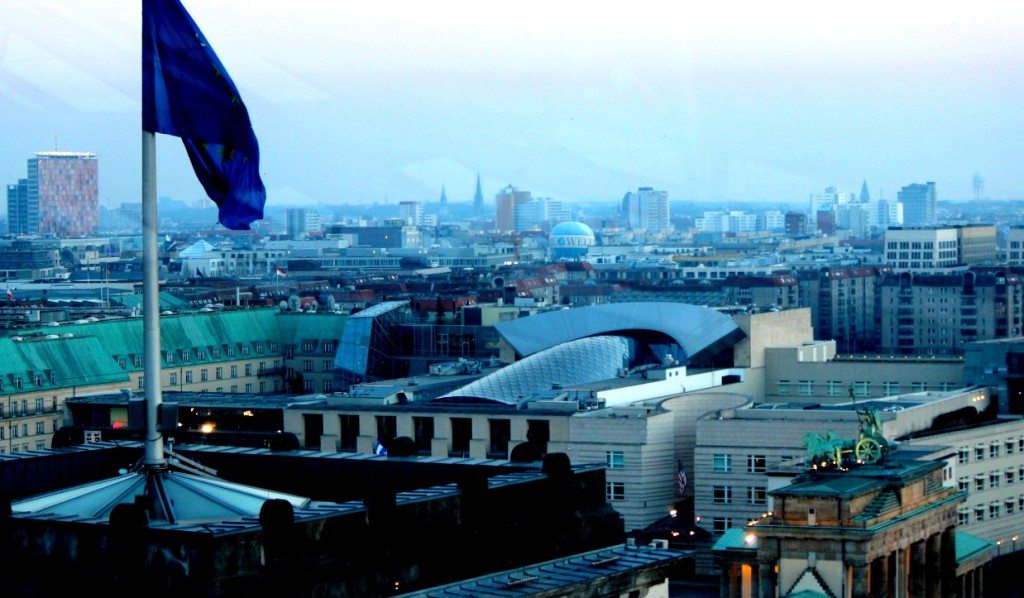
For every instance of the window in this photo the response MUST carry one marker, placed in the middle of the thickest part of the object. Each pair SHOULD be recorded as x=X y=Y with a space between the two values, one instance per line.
x=1009 y=446
x=1009 y=506
x=783 y=388
x=917 y=386
x=963 y=455
x=860 y=389
x=39 y=405
x=328 y=366
x=387 y=427
x=172 y=378
x=142 y=382
x=218 y=373
x=501 y=433
x=423 y=434
x=834 y=388
x=757 y=464
x=234 y=371
x=462 y=431
x=17 y=382
x=720 y=524
x=307 y=365
x=188 y=377
x=979 y=514
x=234 y=388
x=1010 y=475
x=248 y=388
x=757 y=495
x=979 y=452
x=963 y=516
x=40 y=428
x=890 y=388
x=307 y=386
x=248 y=369
x=805 y=388
x=723 y=463
x=993 y=450
x=979 y=483
x=348 y=429
x=721 y=495
x=964 y=484
x=204 y=375
x=328 y=387
x=615 y=490
x=614 y=459
x=993 y=510
x=993 y=479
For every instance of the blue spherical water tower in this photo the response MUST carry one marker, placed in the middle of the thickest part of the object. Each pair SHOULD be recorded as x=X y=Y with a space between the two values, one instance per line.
x=570 y=240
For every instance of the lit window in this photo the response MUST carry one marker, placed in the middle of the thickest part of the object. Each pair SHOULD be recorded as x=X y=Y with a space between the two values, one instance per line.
x=723 y=463
x=757 y=464
x=757 y=495
x=614 y=459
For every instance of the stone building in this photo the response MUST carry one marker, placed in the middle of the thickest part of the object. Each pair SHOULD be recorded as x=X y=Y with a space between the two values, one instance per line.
x=877 y=530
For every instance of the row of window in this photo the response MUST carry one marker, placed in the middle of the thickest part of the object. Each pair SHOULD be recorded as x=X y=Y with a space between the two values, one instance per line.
x=990 y=480
x=185 y=355
x=993 y=449
x=24 y=448
x=23 y=430
x=835 y=388
x=17 y=409
x=993 y=510
x=755 y=463
x=723 y=495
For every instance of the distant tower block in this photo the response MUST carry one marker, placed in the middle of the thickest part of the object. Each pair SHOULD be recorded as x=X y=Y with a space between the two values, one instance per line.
x=979 y=186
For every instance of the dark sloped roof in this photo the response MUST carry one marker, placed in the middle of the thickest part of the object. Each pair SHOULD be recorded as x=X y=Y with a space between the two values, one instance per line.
x=696 y=329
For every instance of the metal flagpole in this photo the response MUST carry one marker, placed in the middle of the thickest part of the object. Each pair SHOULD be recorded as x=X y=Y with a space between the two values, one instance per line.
x=154 y=455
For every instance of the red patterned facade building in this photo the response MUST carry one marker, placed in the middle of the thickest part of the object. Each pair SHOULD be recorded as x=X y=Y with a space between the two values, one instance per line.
x=59 y=198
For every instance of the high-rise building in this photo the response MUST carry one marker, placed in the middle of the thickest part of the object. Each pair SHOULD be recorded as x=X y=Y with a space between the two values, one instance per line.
x=507 y=202
x=918 y=203
x=301 y=221
x=19 y=220
x=647 y=209
x=413 y=211
x=59 y=198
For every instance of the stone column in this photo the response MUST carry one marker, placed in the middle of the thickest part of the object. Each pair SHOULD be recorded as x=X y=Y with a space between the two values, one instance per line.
x=892 y=570
x=979 y=582
x=755 y=579
x=933 y=558
x=917 y=572
x=948 y=552
x=724 y=579
x=859 y=587
x=767 y=581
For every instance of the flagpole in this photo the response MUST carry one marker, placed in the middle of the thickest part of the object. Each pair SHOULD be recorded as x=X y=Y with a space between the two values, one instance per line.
x=154 y=455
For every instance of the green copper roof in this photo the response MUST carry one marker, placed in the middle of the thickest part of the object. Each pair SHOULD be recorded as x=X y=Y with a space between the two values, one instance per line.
x=734 y=538
x=56 y=363
x=968 y=546
x=297 y=327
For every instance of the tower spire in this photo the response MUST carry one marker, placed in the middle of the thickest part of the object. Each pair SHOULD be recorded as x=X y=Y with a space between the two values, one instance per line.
x=478 y=197
x=444 y=198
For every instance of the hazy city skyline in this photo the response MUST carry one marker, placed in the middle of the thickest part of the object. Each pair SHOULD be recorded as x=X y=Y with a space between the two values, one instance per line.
x=362 y=104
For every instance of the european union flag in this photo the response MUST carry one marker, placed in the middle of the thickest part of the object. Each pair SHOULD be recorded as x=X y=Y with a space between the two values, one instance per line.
x=186 y=92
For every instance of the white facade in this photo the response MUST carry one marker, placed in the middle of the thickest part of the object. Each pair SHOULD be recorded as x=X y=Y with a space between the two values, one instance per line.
x=1015 y=246
x=412 y=212
x=648 y=209
x=732 y=222
x=925 y=248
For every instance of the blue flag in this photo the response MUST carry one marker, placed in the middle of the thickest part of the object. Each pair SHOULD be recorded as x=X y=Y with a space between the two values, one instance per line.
x=186 y=92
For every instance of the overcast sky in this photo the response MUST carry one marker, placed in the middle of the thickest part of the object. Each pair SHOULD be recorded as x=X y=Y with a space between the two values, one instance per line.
x=379 y=101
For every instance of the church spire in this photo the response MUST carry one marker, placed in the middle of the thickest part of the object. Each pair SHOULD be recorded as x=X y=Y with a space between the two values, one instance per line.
x=444 y=198
x=865 y=196
x=478 y=197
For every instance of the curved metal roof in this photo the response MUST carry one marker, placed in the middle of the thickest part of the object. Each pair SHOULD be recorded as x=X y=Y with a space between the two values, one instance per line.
x=698 y=330
x=576 y=362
